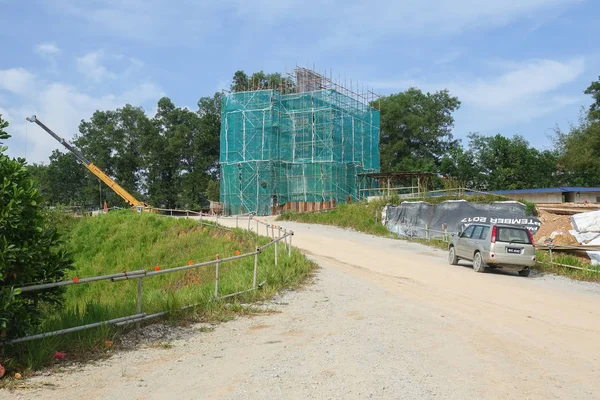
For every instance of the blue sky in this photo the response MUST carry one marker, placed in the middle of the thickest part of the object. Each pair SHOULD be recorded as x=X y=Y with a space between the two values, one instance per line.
x=519 y=67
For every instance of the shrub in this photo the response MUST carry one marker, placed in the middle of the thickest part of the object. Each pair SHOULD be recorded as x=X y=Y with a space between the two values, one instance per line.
x=30 y=250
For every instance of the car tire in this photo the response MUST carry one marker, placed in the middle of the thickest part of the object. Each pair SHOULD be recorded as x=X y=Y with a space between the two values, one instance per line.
x=452 y=259
x=524 y=272
x=478 y=265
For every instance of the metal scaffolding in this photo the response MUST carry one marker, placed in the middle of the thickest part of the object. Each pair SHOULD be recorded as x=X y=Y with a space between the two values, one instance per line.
x=302 y=145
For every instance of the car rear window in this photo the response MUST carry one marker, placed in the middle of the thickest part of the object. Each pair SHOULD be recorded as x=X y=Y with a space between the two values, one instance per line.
x=513 y=235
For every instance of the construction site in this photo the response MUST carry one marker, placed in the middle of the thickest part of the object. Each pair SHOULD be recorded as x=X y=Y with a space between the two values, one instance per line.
x=299 y=146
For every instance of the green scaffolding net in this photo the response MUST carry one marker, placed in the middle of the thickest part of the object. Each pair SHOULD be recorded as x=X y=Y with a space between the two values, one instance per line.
x=298 y=147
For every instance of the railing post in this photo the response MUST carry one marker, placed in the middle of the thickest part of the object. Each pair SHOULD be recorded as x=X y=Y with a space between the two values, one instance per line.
x=273 y=232
x=236 y=221
x=276 y=252
x=427 y=231
x=217 y=279
x=255 y=268
x=249 y=218
x=550 y=250
x=267 y=227
x=290 y=245
x=139 y=300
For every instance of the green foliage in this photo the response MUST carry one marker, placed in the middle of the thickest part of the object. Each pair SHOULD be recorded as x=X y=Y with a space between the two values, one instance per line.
x=359 y=216
x=416 y=129
x=366 y=216
x=510 y=163
x=125 y=240
x=212 y=191
x=259 y=81
x=30 y=250
x=594 y=91
x=579 y=150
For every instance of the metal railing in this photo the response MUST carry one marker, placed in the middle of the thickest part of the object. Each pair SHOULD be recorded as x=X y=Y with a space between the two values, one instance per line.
x=283 y=235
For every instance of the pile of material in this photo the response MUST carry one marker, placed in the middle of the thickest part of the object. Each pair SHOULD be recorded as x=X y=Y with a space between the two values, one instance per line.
x=555 y=227
x=587 y=232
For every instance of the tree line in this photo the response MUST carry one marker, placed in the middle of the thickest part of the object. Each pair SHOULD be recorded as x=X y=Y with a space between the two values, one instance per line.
x=171 y=159
x=416 y=135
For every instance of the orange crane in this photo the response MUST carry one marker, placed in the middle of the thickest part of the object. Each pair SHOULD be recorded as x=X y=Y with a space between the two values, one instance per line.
x=118 y=189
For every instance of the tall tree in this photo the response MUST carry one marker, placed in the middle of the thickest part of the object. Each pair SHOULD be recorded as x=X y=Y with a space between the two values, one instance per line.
x=579 y=149
x=69 y=182
x=111 y=140
x=511 y=163
x=240 y=82
x=594 y=91
x=416 y=129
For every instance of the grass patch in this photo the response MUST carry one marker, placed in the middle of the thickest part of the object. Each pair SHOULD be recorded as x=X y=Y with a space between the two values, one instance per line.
x=123 y=240
x=589 y=272
x=362 y=217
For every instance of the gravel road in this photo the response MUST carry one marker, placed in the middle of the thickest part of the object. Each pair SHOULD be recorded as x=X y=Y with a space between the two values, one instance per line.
x=383 y=319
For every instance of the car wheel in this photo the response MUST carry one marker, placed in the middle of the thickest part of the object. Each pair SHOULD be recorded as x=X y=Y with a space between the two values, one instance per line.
x=524 y=272
x=452 y=259
x=478 y=265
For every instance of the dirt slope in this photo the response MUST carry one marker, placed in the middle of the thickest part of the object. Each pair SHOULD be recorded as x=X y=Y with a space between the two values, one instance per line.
x=384 y=319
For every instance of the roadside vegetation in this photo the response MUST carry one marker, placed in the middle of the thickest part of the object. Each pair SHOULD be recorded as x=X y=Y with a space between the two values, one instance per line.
x=366 y=217
x=127 y=241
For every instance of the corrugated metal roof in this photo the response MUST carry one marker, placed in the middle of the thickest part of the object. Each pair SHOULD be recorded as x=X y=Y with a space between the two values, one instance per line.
x=549 y=190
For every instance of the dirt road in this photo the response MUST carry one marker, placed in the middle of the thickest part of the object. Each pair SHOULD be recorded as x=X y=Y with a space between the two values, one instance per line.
x=383 y=319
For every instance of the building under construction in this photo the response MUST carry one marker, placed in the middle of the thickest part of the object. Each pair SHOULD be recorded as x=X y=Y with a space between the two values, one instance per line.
x=302 y=143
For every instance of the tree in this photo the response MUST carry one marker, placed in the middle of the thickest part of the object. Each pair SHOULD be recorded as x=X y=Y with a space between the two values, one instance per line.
x=69 y=182
x=594 y=91
x=30 y=250
x=416 y=129
x=459 y=164
x=261 y=81
x=112 y=141
x=240 y=82
x=511 y=163
x=579 y=149
x=212 y=191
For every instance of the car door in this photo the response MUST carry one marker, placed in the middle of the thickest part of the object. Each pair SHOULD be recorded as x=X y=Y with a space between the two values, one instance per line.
x=463 y=242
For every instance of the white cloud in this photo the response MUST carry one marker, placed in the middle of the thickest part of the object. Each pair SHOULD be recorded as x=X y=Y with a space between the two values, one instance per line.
x=16 y=80
x=90 y=65
x=338 y=22
x=61 y=107
x=47 y=49
x=526 y=91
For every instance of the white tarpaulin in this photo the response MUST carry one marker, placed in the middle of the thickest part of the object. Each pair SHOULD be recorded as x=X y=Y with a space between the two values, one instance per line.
x=587 y=231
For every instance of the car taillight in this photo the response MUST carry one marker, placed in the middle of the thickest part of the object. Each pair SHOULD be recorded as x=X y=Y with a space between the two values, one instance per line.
x=494 y=230
x=531 y=238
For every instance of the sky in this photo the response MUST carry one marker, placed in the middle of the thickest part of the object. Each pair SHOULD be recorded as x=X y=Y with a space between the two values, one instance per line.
x=518 y=67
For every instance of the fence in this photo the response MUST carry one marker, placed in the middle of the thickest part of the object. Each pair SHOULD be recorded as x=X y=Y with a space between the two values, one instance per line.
x=283 y=235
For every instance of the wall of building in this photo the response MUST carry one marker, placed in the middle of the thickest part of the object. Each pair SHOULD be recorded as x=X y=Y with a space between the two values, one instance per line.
x=541 y=198
x=582 y=197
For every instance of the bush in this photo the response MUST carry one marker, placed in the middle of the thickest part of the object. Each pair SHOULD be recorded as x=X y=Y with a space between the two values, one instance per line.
x=30 y=250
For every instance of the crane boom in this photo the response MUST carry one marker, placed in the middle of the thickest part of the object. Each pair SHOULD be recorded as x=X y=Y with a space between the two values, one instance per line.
x=118 y=189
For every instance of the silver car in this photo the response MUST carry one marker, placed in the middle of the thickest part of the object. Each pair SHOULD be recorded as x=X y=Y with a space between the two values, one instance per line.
x=494 y=246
